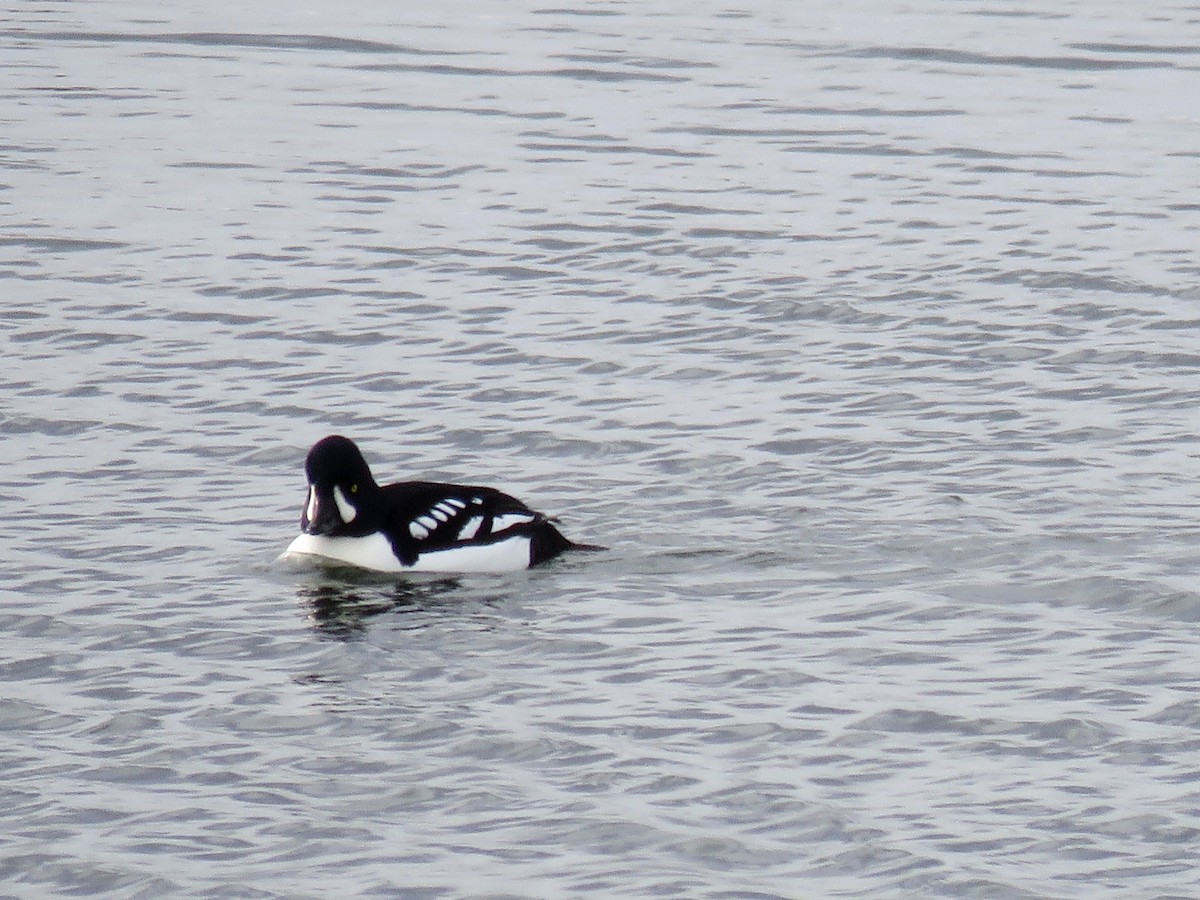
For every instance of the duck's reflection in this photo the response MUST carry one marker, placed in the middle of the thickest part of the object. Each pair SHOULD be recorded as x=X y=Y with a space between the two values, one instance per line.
x=341 y=607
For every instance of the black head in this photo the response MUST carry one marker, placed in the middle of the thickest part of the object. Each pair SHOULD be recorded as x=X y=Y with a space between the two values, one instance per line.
x=341 y=491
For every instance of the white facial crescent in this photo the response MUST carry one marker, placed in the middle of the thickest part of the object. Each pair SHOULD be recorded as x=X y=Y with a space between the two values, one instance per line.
x=345 y=508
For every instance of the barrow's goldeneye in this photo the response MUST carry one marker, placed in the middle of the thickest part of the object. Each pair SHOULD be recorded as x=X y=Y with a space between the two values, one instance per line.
x=415 y=526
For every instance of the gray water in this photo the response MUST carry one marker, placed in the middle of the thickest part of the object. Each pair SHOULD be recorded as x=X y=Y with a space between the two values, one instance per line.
x=864 y=336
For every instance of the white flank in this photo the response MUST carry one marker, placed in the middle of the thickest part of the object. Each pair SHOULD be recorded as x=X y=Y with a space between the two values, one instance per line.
x=510 y=555
x=345 y=508
x=310 y=510
x=371 y=552
x=375 y=552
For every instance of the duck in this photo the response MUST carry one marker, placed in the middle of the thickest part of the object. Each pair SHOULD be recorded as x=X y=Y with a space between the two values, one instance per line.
x=415 y=526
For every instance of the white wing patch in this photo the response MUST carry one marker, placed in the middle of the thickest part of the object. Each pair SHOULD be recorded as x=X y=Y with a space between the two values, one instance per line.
x=442 y=511
x=470 y=529
x=447 y=508
x=510 y=519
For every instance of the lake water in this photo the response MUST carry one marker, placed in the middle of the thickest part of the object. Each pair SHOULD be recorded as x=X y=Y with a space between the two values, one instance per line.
x=865 y=336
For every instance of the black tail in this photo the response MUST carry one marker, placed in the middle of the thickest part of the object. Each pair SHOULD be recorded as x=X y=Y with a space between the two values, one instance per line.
x=548 y=542
x=587 y=548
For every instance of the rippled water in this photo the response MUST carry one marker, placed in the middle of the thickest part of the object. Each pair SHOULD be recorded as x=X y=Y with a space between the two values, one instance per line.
x=865 y=338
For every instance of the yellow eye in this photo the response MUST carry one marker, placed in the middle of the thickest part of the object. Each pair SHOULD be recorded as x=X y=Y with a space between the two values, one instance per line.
x=354 y=488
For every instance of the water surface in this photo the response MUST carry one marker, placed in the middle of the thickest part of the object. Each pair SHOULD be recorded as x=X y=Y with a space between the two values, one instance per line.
x=866 y=341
